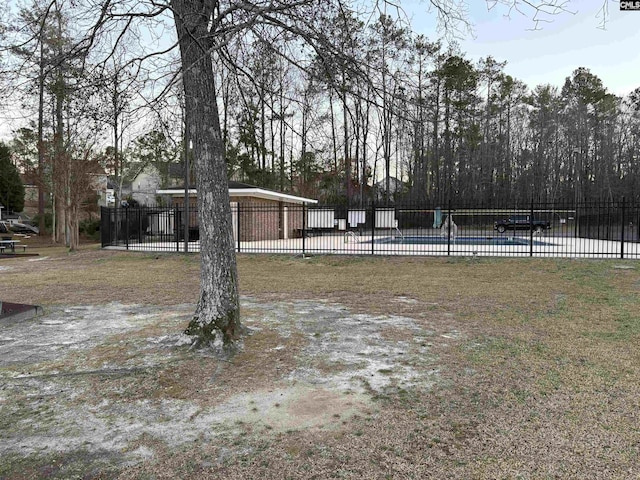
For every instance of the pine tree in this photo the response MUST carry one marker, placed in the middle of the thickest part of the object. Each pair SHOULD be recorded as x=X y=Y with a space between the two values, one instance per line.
x=11 y=187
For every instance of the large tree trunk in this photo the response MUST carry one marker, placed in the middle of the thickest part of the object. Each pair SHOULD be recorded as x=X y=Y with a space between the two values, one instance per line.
x=217 y=316
x=73 y=226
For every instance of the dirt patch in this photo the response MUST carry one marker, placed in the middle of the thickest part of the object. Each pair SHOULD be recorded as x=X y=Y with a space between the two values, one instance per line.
x=365 y=357
x=103 y=380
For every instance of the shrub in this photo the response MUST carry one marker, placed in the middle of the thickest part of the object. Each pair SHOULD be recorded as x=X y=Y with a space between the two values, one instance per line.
x=90 y=229
x=48 y=221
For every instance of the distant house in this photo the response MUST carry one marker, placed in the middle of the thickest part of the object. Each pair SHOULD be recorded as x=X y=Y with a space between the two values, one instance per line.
x=100 y=184
x=116 y=189
x=258 y=213
x=141 y=184
x=30 y=195
x=146 y=180
x=396 y=187
x=96 y=193
x=144 y=186
x=97 y=183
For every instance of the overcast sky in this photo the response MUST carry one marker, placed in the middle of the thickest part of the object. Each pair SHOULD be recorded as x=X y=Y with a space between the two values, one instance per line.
x=551 y=54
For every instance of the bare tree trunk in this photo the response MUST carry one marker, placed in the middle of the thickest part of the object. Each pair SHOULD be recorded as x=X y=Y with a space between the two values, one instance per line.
x=116 y=121
x=263 y=129
x=283 y=138
x=41 y=179
x=60 y=170
x=436 y=167
x=333 y=135
x=347 y=154
x=72 y=221
x=272 y=140
x=217 y=316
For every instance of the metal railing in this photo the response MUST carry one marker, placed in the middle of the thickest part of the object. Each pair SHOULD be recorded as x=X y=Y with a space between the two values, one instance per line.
x=589 y=229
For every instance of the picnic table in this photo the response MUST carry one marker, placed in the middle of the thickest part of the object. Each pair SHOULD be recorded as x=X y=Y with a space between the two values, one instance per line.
x=11 y=244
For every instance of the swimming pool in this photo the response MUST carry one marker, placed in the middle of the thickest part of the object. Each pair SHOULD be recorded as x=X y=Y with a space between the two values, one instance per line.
x=439 y=240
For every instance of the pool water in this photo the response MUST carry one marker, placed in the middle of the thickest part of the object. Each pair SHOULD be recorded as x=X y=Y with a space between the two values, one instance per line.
x=438 y=240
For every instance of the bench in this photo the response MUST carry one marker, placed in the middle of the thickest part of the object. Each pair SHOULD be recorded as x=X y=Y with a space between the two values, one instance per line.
x=13 y=248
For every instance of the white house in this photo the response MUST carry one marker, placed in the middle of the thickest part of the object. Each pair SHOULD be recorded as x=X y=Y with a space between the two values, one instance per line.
x=144 y=186
x=395 y=186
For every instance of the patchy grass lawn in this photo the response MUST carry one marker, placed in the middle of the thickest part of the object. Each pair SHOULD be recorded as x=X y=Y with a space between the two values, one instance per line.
x=355 y=367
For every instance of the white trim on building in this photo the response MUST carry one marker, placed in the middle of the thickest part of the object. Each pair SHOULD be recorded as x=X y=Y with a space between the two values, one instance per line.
x=245 y=192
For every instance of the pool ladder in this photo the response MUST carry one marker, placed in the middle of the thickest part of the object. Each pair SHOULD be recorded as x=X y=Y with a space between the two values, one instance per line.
x=351 y=235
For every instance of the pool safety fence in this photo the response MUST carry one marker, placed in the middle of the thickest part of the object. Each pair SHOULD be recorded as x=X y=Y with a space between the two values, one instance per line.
x=588 y=229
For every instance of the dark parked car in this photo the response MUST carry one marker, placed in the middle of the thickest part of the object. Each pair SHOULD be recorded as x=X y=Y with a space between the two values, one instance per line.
x=521 y=222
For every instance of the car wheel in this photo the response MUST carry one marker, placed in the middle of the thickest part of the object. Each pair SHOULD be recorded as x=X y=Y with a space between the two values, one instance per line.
x=501 y=229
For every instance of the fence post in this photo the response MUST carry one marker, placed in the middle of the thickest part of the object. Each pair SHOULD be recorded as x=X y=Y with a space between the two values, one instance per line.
x=186 y=231
x=449 y=220
x=126 y=229
x=238 y=224
x=622 y=233
x=140 y=232
x=304 y=227
x=102 y=225
x=373 y=227
x=176 y=227
x=531 y=230
x=116 y=227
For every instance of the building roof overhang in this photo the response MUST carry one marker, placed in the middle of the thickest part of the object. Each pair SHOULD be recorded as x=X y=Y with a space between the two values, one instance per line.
x=244 y=191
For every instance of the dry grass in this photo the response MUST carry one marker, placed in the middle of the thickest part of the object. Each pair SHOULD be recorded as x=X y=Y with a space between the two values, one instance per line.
x=94 y=276
x=538 y=364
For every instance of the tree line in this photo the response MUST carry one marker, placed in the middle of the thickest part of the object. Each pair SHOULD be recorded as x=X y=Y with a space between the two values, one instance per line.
x=427 y=115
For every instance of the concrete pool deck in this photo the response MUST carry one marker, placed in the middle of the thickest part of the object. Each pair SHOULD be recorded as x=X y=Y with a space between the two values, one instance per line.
x=342 y=244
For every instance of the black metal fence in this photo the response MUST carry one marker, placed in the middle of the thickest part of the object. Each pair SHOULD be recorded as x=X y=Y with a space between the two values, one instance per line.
x=589 y=229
